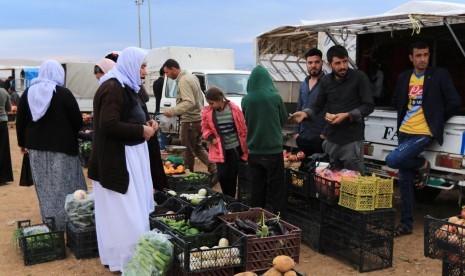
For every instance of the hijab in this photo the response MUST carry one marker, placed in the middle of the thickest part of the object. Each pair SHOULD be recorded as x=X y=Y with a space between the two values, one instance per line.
x=106 y=65
x=51 y=74
x=127 y=68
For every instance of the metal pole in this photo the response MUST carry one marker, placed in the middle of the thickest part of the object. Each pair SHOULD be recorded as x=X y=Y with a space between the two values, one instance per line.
x=150 y=25
x=138 y=13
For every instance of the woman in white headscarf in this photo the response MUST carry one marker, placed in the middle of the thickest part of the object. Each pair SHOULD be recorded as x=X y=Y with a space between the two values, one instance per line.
x=47 y=124
x=119 y=163
x=102 y=67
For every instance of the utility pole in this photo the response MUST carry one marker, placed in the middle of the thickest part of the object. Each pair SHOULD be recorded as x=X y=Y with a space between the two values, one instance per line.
x=150 y=25
x=138 y=3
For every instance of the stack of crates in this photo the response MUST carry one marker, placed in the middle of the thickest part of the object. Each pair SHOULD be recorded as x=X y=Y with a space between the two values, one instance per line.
x=384 y=192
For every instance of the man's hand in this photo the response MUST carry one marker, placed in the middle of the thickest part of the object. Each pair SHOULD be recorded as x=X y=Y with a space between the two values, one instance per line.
x=297 y=117
x=152 y=123
x=295 y=135
x=148 y=132
x=339 y=118
x=168 y=113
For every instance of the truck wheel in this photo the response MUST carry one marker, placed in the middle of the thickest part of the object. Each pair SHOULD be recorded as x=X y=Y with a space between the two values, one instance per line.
x=426 y=195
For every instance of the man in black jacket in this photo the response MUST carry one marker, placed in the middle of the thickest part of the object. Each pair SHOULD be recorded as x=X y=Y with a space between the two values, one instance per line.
x=425 y=99
x=158 y=89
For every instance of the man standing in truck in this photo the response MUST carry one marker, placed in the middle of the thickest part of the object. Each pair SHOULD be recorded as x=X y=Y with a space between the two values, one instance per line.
x=308 y=134
x=189 y=104
x=347 y=96
x=425 y=98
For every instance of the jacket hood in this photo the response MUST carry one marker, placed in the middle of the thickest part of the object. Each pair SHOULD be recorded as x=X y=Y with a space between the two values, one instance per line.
x=260 y=81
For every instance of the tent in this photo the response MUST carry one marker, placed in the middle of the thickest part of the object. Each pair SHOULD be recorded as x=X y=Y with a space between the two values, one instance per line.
x=27 y=74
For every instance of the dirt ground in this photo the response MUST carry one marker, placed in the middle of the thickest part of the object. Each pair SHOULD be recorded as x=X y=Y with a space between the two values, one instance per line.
x=19 y=203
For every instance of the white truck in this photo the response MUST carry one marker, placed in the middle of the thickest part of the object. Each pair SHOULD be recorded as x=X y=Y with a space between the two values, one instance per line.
x=378 y=45
x=213 y=67
x=80 y=79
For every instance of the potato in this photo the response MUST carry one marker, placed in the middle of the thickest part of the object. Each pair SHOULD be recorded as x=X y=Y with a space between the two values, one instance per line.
x=272 y=272
x=290 y=273
x=246 y=274
x=283 y=263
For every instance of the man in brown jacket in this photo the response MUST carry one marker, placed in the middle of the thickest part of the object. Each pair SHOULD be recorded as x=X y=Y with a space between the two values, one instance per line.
x=189 y=105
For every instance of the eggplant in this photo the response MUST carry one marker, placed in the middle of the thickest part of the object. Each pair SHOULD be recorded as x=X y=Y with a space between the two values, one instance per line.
x=252 y=224
x=244 y=226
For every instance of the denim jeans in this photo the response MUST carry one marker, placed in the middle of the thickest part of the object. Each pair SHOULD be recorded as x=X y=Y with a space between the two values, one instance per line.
x=406 y=157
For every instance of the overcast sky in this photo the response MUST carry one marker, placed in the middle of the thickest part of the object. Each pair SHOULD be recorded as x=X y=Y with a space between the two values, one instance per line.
x=85 y=30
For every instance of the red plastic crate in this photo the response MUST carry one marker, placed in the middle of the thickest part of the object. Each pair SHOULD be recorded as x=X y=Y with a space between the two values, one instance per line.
x=261 y=251
x=327 y=190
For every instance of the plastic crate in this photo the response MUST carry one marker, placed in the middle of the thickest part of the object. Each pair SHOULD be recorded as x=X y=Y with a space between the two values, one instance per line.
x=261 y=251
x=44 y=247
x=311 y=229
x=326 y=190
x=171 y=204
x=237 y=207
x=155 y=223
x=366 y=225
x=367 y=255
x=450 y=267
x=360 y=186
x=300 y=183
x=82 y=242
x=311 y=208
x=193 y=190
x=383 y=201
x=358 y=203
x=384 y=185
x=177 y=183
x=443 y=239
x=190 y=258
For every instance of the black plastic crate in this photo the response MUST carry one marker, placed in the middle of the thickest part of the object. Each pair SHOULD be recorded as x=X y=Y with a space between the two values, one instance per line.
x=311 y=229
x=210 y=192
x=172 y=204
x=310 y=208
x=160 y=197
x=237 y=207
x=327 y=190
x=367 y=255
x=178 y=183
x=368 y=225
x=300 y=183
x=190 y=258
x=44 y=247
x=453 y=267
x=82 y=242
x=443 y=239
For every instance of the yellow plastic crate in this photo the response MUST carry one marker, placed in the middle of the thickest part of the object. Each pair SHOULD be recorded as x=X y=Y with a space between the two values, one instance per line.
x=360 y=185
x=358 y=203
x=384 y=185
x=383 y=201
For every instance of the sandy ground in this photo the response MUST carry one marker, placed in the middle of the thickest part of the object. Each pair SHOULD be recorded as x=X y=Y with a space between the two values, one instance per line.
x=19 y=203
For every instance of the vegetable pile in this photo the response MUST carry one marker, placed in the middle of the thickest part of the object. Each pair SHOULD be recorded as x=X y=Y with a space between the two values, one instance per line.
x=152 y=256
x=182 y=226
x=263 y=227
x=220 y=255
x=172 y=168
x=80 y=209
x=282 y=266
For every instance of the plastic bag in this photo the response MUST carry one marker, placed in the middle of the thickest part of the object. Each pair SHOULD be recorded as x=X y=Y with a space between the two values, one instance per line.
x=167 y=124
x=34 y=230
x=152 y=256
x=204 y=216
x=80 y=212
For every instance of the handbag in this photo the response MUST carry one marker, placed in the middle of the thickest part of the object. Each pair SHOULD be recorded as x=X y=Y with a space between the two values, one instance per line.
x=26 y=174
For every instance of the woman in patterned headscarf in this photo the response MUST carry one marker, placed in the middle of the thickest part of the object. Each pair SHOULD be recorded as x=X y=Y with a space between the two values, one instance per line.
x=119 y=163
x=47 y=124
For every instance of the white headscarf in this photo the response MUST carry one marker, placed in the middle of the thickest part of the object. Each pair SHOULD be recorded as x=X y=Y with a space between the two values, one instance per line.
x=106 y=64
x=51 y=74
x=127 y=68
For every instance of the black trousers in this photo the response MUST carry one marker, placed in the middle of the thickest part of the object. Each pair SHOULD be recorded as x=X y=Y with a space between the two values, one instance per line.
x=6 y=169
x=267 y=174
x=227 y=172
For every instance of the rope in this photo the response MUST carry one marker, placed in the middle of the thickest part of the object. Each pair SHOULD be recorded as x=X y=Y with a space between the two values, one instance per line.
x=416 y=26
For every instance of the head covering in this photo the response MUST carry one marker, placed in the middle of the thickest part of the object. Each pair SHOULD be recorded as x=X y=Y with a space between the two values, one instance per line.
x=51 y=74
x=106 y=64
x=260 y=81
x=127 y=68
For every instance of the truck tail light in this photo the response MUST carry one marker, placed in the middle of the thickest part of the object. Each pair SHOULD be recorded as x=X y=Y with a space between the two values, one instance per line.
x=451 y=161
x=368 y=149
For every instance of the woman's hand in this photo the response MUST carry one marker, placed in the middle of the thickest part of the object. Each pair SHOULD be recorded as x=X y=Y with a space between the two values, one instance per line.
x=148 y=132
x=152 y=123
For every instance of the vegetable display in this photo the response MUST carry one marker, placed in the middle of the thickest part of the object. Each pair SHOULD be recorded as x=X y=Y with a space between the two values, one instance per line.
x=152 y=256
x=182 y=226
x=263 y=227
x=80 y=209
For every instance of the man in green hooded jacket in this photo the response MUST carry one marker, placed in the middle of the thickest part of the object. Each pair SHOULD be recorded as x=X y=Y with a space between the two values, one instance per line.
x=265 y=114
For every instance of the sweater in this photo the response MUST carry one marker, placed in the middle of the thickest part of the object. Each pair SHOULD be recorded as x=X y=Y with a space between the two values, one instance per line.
x=57 y=130
x=107 y=163
x=189 y=100
x=216 y=152
x=265 y=114
x=5 y=105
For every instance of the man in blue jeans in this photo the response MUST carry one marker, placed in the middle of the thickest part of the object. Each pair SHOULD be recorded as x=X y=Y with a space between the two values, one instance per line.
x=425 y=99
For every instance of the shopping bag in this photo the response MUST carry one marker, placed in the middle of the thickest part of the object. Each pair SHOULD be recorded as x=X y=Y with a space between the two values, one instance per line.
x=204 y=216
x=26 y=174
